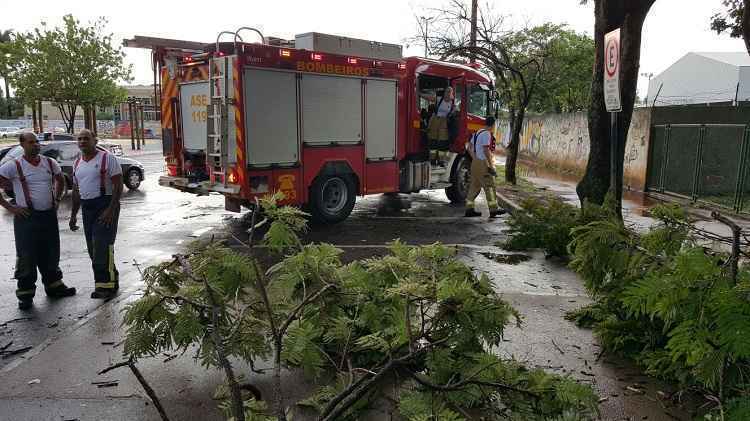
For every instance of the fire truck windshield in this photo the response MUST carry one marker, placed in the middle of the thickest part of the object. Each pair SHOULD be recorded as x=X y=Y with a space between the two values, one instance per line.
x=479 y=99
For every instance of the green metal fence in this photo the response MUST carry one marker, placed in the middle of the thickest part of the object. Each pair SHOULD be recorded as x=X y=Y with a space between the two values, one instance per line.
x=701 y=162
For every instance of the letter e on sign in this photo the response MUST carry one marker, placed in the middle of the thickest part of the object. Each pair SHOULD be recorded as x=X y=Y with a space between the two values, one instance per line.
x=612 y=71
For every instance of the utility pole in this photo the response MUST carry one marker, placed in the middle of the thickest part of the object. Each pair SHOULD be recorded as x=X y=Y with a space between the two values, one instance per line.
x=473 y=42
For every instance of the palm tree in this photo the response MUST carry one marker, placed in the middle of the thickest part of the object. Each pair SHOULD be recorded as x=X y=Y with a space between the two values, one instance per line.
x=5 y=37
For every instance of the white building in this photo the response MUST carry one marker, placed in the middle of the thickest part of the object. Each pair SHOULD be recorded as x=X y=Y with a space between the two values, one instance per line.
x=703 y=78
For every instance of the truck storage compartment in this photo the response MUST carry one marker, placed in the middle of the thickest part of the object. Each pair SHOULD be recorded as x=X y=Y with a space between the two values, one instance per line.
x=380 y=121
x=414 y=176
x=331 y=110
x=271 y=129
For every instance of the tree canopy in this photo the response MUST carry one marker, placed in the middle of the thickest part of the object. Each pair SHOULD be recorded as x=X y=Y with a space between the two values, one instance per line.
x=566 y=88
x=733 y=20
x=73 y=65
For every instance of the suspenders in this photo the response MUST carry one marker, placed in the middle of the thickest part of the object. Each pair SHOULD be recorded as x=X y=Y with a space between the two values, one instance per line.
x=474 y=140
x=25 y=184
x=102 y=172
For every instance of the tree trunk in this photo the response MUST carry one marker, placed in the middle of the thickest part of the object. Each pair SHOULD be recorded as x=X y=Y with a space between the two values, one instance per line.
x=746 y=24
x=70 y=123
x=40 y=115
x=7 y=97
x=516 y=125
x=628 y=15
x=34 y=117
x=87 y=117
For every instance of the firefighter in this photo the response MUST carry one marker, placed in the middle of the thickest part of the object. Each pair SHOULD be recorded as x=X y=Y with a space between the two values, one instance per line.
x=97 y=187
x=38 y=186
x=482 y=171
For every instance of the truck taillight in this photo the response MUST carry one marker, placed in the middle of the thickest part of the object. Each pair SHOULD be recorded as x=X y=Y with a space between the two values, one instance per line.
x=232 y=177
x=172 y=170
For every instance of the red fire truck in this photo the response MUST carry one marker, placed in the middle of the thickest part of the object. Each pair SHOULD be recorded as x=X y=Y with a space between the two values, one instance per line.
x=248 y=119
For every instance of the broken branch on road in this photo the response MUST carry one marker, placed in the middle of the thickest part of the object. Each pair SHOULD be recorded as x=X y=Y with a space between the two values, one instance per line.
x=130 y=363
x=6 y=354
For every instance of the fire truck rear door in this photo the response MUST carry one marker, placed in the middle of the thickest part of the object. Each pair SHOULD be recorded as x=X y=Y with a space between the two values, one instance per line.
x=193 y=102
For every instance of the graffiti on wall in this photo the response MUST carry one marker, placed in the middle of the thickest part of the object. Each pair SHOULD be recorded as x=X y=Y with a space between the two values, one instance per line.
x=562 y=141
x=532 y=137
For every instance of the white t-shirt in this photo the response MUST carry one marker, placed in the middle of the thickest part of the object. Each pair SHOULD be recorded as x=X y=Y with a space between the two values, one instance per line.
x=478 y=141
x=87 y=175
x=444 y=108
x=38 y=178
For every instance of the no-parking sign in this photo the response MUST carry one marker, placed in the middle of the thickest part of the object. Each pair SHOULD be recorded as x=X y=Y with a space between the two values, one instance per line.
x=612 y=71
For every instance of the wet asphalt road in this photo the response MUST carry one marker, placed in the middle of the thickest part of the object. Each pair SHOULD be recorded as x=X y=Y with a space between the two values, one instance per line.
x=73 y=338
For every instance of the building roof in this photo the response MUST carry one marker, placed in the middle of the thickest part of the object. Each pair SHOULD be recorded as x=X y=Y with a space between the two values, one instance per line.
x=739 y=59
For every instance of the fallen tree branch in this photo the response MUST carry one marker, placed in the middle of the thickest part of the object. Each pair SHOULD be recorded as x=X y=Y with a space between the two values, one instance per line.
x=736 y=231
x=449 y=387
x=238 y=407
x=344 y=400
x=149 y=391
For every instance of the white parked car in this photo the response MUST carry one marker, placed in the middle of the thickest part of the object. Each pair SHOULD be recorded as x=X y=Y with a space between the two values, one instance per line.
x=6 y=132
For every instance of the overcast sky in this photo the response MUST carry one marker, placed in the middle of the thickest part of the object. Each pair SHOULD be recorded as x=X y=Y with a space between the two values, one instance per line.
x=673 y=28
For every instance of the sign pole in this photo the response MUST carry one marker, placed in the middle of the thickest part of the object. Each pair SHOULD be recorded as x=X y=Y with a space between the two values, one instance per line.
x=615 y=176
x=613 y=102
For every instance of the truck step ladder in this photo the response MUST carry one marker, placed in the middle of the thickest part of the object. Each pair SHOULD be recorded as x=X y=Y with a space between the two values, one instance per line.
x=217 y=148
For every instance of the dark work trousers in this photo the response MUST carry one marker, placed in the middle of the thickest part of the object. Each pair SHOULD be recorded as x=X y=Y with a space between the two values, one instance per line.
x=37 y=247
x=100 y=242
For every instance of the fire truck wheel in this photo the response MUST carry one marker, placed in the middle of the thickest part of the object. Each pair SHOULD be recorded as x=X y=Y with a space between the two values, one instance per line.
x=332 y=198
x=460 y=179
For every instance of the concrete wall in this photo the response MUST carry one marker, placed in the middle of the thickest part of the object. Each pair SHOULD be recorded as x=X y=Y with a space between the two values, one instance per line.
x=562 y=141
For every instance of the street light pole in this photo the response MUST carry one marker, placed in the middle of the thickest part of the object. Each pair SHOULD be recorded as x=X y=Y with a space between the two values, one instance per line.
x=649 y=76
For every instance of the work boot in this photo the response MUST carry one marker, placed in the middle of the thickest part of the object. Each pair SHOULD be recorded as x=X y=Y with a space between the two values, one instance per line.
x=104 y=293
x=25 y=304
x=496 y=213
x=471 y=213
x=60 y=291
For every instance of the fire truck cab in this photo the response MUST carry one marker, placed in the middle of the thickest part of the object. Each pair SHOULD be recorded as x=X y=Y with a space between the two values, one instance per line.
x=249 y=119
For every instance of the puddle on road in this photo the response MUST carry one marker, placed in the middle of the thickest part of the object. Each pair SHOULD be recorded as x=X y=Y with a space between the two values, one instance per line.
x=507 y=259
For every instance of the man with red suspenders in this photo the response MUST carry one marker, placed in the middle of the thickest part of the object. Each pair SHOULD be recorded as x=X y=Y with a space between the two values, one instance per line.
x=97 y=187
x=38 y=186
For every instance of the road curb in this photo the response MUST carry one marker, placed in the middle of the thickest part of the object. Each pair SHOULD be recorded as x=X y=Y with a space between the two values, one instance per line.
x=509 y=204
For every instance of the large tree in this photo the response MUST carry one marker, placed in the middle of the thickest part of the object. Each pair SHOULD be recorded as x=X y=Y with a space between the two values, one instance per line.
x=629 y=16
x=6 y=37
x=517 y=59
x=734 y=20
x=71 y=66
